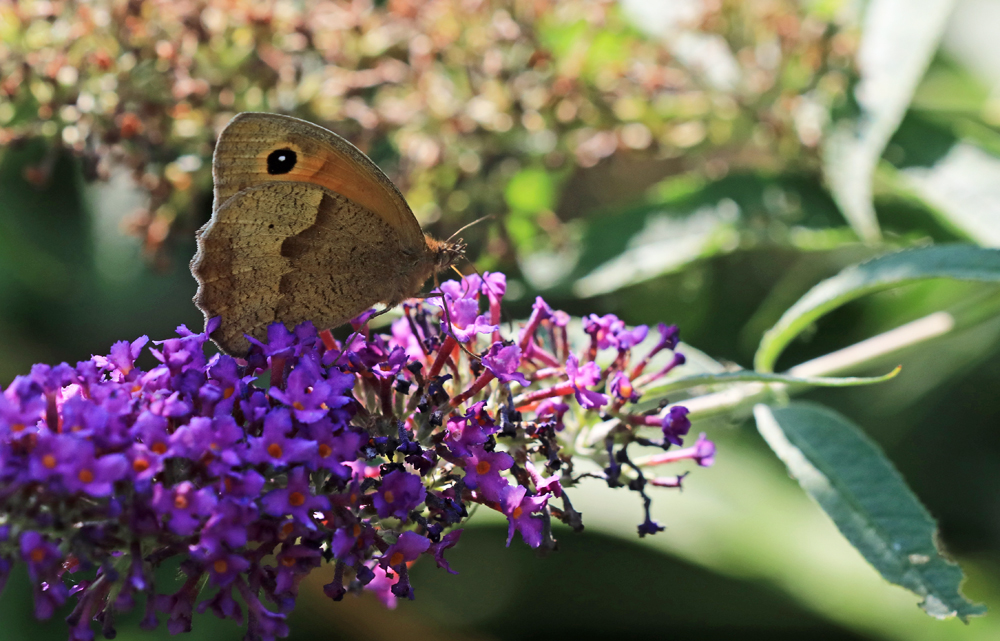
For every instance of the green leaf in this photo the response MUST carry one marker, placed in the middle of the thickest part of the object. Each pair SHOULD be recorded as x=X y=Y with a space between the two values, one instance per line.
x=868 y=500
x=749 y=376
x=960 y=262
x=962 y=186
x=897 y=43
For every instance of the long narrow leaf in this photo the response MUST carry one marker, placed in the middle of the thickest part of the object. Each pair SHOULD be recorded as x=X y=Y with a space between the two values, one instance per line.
x=960 y=262
x=868 y=500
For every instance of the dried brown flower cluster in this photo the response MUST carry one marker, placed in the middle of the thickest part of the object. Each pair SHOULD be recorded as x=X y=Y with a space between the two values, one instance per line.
x=454 y=97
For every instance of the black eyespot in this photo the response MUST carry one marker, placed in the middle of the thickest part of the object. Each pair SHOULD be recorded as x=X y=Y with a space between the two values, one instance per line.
x=281 y=161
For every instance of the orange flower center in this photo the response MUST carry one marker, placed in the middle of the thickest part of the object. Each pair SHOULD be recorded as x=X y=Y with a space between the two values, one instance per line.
x=49 y=461
x=85 y=476
x=299 y=406
x=482 y=467
x=220 y=566
x=226 y=393
x=396 y=558
x=518 y=511
x=357 y=530
x=274 y=450
x=180 y=502
x=389 y=497
x=286 y=529
x=37 y=555
x=17 y=427
x=140 y=465
x=288 y=561
x=159 y=448
x=295 y=499
x=325 y=450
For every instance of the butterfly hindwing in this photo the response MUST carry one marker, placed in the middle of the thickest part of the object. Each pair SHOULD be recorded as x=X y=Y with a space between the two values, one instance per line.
x=288 y=252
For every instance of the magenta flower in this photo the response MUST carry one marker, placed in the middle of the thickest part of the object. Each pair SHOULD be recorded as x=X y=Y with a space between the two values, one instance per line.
x=335 y=446
x=482 y=472
x=447 y=541
x=466 y=321
x=464 y=432
x=581 y=378
x=274 y=447
x=252 y=486
x=381 y=585
x=603 y=330
x=295 y=500
x=40 y=554
x=518 y=508
x=702 y=452
x=403 y=336
x=224 y=567
x=52 y=457
x=675 y=425
x=400 y=493
x=121 y=358
x=552 y=410
x=627 y=339
x=210 y=440
x=407 y=548
x=621 y=387
x=307 y=394
x=94 y=475
x=351 y=541
x=494 y=285
x=504 y=362
x=227 y=527
x=390 y=367
x=183 y=507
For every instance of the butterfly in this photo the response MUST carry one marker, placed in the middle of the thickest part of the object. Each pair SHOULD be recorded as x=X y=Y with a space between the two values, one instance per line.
x=304 y=227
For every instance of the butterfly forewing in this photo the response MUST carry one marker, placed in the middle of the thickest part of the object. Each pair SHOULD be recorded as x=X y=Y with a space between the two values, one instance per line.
x=249 y=147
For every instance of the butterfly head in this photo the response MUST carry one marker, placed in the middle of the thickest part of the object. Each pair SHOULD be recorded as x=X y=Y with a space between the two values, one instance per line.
x=445 y=252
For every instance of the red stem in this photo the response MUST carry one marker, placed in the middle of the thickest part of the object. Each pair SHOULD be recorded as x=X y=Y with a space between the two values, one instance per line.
x=442 y=356
x=481 y=382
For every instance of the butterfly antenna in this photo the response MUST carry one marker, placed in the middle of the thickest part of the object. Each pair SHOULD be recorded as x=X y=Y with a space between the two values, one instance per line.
x=464 y=227
x=503 y=311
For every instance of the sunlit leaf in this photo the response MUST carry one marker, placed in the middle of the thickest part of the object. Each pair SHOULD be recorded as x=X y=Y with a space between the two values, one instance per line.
x=749 y=376
x=964 y=186
x=868 y=500
x=960 y=262
x=899 y=38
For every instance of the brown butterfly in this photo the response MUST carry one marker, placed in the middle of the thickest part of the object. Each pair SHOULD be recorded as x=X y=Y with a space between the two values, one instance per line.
x=304 y=227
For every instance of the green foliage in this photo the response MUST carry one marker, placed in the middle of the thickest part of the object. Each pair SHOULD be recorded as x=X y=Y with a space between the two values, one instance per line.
x=849 y=476
x=959 y=262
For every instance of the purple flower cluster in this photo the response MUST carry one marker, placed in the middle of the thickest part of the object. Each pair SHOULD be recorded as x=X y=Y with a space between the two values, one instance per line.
x=366 y=454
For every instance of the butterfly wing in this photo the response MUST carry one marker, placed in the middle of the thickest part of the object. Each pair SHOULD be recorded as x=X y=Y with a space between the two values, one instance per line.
x=247 y=154
x=290 y=252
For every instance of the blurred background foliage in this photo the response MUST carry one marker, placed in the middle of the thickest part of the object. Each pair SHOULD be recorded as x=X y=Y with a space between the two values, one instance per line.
x=702 y=162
